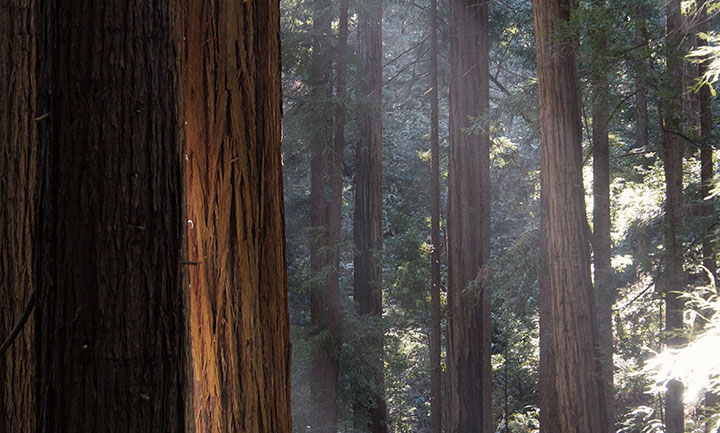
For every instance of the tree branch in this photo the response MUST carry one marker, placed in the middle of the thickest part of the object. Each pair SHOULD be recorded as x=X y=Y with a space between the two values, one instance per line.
x=19 y=326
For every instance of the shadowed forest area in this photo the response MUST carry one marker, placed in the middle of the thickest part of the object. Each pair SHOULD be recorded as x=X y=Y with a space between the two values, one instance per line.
x=380 y=216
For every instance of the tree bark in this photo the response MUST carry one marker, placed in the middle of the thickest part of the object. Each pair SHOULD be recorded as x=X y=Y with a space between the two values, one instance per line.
x=549 y=406
x=573 y=321
x=239 y=322
x=672 y=159
x=18 y=182
x=367 y=229
x=435 y=313
x=110 y=323
x=469 y=369
x=604 y=289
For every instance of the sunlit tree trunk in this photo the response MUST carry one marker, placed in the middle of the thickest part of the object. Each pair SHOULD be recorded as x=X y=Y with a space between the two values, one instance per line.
x=367 y=223
x=469 y=385
x=566 y=248
x=604 y=289
x=111 y=328
x=672 y=159
x=435 y=313
x=18 y=180
x=239 y=323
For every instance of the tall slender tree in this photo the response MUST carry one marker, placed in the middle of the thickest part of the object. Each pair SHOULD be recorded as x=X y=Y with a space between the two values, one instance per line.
x=469 y=384
x=671 y=124
x=18 y=180
x=324 y=364
x=566 y=240
x=435 y=312
x=239 y=323
x=110 y=323
x=371 y=409
x=604 y=290
x=706 y=151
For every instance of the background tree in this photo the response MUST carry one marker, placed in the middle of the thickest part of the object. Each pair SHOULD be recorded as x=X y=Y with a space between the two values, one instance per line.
x=18 y=177
x=469 y=385
x=370 y=411
x=435 y=314
x=323 y=303
x=603 y=279
x=673 y=149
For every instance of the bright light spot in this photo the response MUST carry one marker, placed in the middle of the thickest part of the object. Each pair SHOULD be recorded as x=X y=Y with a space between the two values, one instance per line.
x=695 y=365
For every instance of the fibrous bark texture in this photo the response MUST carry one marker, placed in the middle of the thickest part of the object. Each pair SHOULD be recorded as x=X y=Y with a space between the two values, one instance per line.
x=110 y=307
x=469 y=385
x=370 y=410
x=239 y=324
x=18 y=180
x=566 y=248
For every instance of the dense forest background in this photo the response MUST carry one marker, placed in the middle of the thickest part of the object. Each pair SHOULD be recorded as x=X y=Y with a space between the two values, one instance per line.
x=626 y=43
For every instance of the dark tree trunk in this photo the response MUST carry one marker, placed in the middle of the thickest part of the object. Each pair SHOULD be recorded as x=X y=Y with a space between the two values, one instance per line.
x=672 y=159
x=604 y=288
x=367 y=229
x=18 y=181
x=573 y=322
x=324 y=364
x=239 y=322
x=435 y=313
x=111 y=323
x=469 y=384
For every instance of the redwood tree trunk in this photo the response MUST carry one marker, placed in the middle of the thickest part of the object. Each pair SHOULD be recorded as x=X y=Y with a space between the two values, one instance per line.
x=18 y=180
x=672 y=161
x=572 y=325
x=110 y=318
x=324 y=363
x=604 y=290
x=549 y=405
x=239 y=323
x=435 y=313
x=367 y=228
x=469 y=384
